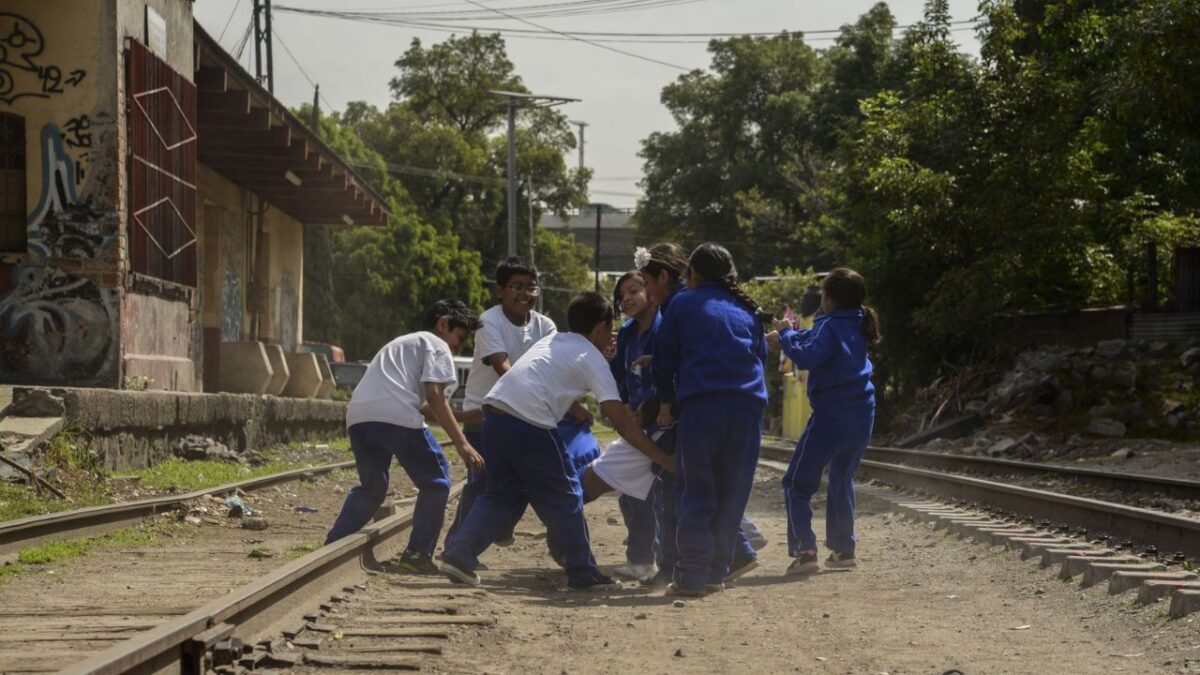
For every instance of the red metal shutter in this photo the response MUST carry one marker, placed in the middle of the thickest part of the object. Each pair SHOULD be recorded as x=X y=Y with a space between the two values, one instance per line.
x=161 y=109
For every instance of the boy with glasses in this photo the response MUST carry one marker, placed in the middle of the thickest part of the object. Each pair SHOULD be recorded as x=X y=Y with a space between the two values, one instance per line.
x=509 y=330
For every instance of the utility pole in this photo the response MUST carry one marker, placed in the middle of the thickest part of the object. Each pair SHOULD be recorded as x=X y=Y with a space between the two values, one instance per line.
x=598 y=212
x=316 y=113
x=262 y=35
x=514 y=101
x=582 y=126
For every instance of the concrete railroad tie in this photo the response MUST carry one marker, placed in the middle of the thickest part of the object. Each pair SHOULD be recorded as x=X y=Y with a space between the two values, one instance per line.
x=1101 y=571
x=1155 y=590
x=1125 y=580
x=1184 y=602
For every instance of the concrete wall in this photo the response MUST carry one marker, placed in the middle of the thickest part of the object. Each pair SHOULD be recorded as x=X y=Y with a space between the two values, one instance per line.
x=1076 y=329
x=136 y=429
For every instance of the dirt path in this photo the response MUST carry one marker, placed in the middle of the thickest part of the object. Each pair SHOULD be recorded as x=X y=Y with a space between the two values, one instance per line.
x=922 y=602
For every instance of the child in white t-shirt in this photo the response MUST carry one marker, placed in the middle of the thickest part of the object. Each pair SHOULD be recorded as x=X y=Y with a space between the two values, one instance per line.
x=384 y=420
x=526 y=453
x=509 y=330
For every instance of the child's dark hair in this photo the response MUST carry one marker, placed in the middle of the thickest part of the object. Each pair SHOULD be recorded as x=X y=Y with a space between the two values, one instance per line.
x=457 y=314
x=511 y=268
x=669 y=258
x=847 y=289
x=632 y=274
x=713 y=262
x=586 y=311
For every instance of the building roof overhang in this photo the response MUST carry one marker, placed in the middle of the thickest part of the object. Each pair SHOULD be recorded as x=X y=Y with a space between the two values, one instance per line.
x=254 y=141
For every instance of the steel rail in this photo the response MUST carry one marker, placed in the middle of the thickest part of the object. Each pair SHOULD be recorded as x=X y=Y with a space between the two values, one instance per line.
x=1167 y=532
x=23 y=532
x=256 y=609
x=1124 y=482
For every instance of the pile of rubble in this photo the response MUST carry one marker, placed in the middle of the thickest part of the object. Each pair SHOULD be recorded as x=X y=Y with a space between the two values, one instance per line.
x=1054 y=399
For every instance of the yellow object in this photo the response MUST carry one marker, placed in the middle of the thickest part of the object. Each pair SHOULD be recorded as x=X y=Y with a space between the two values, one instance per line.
x=796 y=408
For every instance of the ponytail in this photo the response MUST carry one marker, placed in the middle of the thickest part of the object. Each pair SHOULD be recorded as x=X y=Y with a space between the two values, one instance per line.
x=870 y=327
x=743 y=298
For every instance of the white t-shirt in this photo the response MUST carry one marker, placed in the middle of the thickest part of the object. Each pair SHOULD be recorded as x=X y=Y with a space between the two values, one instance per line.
x=393 y=388
x=555 y=373
x=497 y=336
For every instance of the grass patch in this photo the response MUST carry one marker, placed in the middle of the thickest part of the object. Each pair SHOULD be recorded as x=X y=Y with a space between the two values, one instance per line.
x=302 y=549
x=51 y=552
x=18 y=501
x=186 y=476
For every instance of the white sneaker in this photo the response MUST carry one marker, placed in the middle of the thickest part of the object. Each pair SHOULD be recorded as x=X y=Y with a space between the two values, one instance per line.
x=640 y=572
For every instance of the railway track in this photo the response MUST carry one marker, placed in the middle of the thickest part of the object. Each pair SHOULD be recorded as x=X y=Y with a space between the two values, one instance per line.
x=25 y=532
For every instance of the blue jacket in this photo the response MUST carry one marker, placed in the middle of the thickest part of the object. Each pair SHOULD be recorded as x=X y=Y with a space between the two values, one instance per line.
x=635 y=384
x=834 y=352
x=709 y=345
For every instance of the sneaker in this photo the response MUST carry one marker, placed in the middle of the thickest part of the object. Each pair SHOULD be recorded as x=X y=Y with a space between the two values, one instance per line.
x=804 y=564
x=713 y=588
x=636 y=571
x=414 y=563
x=659 y=580
x=740 y=568
x=458 y=573
x=841 y=561
x=599 y=582
x=506 y=542
x=675 y=590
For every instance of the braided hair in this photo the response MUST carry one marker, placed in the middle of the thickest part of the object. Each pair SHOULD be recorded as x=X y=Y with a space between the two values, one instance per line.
x=713 y=262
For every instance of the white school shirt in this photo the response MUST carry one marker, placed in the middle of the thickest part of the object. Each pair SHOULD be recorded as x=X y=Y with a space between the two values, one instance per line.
x=393 y=388
x=499 y=335
x=555 y=373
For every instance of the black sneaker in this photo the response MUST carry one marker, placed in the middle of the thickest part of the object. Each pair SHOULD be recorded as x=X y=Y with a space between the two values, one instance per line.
x=740 y=568
x=841 y=561
x=598 y=582
x=458 y=572
x=415 y=563
x=804 y=564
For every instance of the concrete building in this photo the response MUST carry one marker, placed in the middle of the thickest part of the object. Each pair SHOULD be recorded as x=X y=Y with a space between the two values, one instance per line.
x=152 y=202
x=618 y=236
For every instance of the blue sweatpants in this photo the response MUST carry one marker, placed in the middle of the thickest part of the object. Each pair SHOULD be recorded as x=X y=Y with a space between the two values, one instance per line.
x=639 y=517
x=717 y=449
x=523 y=458
x=374 y=444
x=839 y=441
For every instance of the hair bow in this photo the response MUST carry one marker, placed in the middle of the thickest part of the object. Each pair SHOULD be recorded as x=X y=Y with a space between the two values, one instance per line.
x=641 y=258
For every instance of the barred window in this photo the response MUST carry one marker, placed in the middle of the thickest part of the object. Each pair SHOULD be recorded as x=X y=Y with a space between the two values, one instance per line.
x=12 y=184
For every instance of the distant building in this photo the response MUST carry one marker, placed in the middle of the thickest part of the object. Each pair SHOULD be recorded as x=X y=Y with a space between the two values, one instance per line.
x=617 y=234
x=152 y=203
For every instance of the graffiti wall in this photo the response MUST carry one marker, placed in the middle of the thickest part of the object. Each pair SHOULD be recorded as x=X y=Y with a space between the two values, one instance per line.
x=59 y=308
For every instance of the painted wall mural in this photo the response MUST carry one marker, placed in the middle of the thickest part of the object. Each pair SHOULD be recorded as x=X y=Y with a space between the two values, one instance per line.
x=287 y=311
x=62 y=225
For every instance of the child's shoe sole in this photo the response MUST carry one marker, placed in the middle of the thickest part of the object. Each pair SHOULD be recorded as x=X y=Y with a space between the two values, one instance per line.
x=458 y=575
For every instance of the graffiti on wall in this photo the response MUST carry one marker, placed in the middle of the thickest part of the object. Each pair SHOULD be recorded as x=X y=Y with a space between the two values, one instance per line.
x=23 y=69
x=57 y=328
x=62 y=225
x=231 y=308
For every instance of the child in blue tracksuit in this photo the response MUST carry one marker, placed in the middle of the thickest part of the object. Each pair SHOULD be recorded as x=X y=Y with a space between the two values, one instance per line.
x=636 y=387
x=708 y=368
x=834 y=352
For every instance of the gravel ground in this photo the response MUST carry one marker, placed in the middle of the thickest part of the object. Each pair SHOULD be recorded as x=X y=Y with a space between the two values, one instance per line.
x=921 y=602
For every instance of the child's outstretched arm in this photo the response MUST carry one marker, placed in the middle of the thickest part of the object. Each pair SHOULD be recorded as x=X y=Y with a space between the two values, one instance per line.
x=445 y=417
x=807 y=348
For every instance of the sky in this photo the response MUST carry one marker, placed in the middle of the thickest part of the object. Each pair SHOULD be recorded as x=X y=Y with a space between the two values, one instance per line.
x=619 y=94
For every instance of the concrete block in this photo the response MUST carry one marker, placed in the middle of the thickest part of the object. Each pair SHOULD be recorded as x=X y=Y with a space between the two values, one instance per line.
x=1102 y=571
x=245 y=368
x=1074 y=565
x=328 y=385
x=1184 y=602
x=1125 y=580
x=173 y=373
x=1034 y=549
x=305 y=379
x=999 y=535
x=1153 y=590
x=280 y=369
x=1055 y=556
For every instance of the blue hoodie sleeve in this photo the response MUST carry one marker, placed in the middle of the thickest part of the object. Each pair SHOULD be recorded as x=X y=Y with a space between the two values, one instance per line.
x=808 y=348
x=617 y=364
x=666 y=354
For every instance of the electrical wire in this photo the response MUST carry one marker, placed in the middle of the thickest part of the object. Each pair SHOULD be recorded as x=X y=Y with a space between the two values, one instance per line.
x=585 y=40
x=275 y=34
x=229 y=20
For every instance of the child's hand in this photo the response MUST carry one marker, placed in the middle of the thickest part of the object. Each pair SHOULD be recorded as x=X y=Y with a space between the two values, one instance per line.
x=470 y=457
x=782 y=324
x=643 y=360
x=665 y=418
x=668 y=463
x=773 y=340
